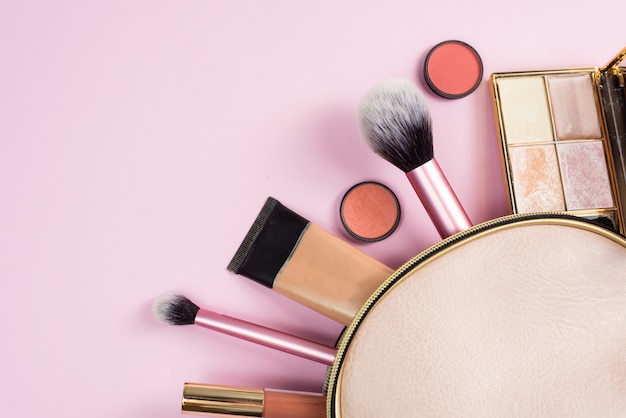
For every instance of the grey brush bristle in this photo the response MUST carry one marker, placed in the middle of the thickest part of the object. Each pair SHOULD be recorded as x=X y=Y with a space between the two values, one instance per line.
x=175 y=309
x=395 y=123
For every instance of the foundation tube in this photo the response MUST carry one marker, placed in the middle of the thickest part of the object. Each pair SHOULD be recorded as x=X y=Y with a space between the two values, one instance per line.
x=231 y=401
x=300 y=260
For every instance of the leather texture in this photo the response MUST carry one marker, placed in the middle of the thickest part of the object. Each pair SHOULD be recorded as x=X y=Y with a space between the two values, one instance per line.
x=527 y=321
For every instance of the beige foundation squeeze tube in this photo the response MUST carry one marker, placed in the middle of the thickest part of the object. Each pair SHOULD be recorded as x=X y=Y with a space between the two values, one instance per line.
x=300 y=260
x=231 y=401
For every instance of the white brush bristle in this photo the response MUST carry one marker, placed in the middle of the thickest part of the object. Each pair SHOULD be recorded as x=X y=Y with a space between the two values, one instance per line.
x=174 y=309
x=160 y=306
x=395 y=123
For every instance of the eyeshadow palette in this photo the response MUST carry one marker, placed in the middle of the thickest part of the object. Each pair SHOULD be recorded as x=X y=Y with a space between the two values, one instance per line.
x=561 y=138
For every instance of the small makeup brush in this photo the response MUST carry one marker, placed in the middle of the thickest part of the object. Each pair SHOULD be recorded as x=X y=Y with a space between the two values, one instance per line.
x=396 y=124
x=175 y=309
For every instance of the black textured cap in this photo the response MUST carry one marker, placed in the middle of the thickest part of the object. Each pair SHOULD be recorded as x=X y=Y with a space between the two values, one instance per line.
x=269 y=243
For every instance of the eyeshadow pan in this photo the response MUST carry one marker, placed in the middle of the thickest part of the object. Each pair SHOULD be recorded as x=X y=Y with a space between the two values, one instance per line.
x=574 y=107
x=536 y=178
x=586 y=182
x=525 y=110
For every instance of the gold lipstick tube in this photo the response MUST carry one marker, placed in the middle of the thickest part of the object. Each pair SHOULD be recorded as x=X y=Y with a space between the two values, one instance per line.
x=230 y=401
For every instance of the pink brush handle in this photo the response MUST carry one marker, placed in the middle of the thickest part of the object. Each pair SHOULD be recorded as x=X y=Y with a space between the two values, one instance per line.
x=439 y=199
x=266 y=336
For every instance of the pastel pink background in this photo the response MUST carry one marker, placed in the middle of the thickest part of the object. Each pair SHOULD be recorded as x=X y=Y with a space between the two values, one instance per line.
x=139 y=139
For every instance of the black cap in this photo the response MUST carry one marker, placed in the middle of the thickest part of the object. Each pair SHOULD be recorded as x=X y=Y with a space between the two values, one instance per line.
x=269 y=243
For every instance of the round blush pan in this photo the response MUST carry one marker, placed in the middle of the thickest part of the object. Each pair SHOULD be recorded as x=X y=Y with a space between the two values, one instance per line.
x=453 y=69
x=370 y=211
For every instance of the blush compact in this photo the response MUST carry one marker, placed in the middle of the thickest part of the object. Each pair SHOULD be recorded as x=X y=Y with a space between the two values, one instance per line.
x=453 y=69
x=370 y=211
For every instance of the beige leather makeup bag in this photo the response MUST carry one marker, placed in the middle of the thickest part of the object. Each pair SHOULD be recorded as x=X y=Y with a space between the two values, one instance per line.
x=524 y=316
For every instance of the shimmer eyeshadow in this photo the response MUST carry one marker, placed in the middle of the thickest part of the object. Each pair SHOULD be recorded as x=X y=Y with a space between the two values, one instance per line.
x=574 y=107
x=586 y=180
x=537 y=180
x=525 y=110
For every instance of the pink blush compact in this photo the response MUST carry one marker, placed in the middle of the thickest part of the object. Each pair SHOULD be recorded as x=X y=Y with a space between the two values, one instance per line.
x=453 y=69
x=370 y=211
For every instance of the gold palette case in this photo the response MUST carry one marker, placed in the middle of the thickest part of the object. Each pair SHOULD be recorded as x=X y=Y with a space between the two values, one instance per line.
x=563 y=140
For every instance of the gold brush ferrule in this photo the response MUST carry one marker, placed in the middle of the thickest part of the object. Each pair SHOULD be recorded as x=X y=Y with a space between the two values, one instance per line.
x=222 y=401
x=615 y=61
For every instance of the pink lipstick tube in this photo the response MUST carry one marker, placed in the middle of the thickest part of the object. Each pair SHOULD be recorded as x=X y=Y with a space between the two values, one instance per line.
x=266 y=336
x=438 y=198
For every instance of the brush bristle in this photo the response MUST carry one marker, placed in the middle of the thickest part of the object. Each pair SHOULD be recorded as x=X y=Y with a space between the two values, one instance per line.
x=175 y=309
x=256 y=228
x=395 y=122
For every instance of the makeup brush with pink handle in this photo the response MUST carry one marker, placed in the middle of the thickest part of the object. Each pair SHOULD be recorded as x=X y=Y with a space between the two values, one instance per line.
x=177 y=309
x=396 y=124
